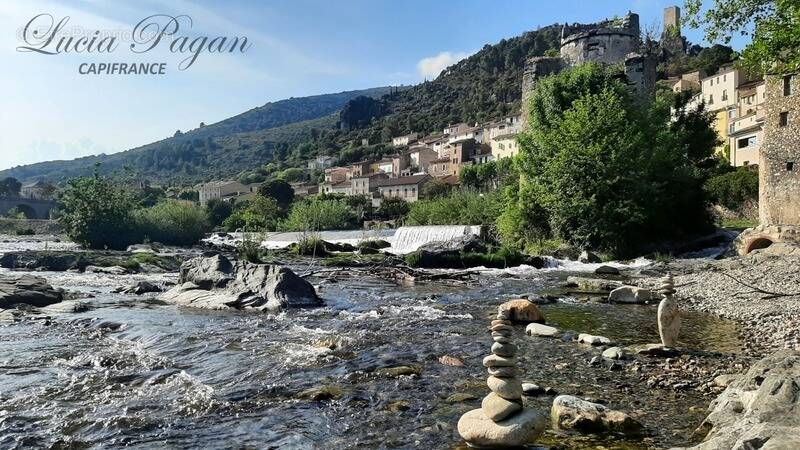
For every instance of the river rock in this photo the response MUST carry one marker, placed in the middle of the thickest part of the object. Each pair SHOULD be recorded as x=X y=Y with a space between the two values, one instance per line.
x=66 y=307
x=606 y=270
x=216 y=283
x=27 y=290
x=499 y=361
x=522 y=310
x=504 y=349
x=588 y=257
x=516 y=431
x=760 y=410
x=110 y=270
x=656 y=350
x=153 y=247
x=725 y=380
x=630 y=294
x=139 y=288
x=616 y=353
x=592 y=284
x=569 y=412
x=538 y=329
x=532 y=389
x=590 y=339
x=508 y=388
x=497 y=408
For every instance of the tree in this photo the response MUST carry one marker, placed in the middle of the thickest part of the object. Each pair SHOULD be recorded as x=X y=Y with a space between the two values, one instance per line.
x=435 y=188
x=217 y=211
x=774 y=26
x=9 y=187
x=292 y=174
x=607 y=172
x=189 y=195
x=278 y=190
x=259 y=214
x=96 y=213
x=393 y=208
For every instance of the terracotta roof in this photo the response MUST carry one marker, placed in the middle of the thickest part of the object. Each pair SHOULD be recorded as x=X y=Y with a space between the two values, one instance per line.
x=450 y=179
x=402 y=181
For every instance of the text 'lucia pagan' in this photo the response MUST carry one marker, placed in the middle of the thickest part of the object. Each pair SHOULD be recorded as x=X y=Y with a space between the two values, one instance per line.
x=44 y=35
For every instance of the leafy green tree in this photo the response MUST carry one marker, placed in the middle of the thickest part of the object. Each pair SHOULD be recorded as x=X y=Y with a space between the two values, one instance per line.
x=609 y=173
x=9 y=187
x=259 y=214
x=458 y=208
x=733 y=189
x=435 y=188
x=293 y=174
x=279 y=190
x=392 y=208
x=774 y=26
x=96 y=213
x=189 y=195
x=217 y=211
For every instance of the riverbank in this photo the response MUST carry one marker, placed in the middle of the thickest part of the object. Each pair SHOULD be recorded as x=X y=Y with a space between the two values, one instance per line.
x=749 y=290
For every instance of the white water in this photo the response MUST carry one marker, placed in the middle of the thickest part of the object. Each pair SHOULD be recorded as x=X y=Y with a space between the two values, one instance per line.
x=409 y=239
x=404 y=239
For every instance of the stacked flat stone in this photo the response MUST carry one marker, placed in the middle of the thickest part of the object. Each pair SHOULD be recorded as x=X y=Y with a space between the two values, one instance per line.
x=501 y=421
x=506 y=396
x=669 y=316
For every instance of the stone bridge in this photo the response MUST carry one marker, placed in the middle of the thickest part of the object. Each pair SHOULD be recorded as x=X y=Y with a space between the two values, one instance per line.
x=32 y=208
x=764 y=236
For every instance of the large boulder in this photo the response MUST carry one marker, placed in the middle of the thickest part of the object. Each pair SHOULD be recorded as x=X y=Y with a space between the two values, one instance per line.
x=217 y=283
x=27 y=290
x=630 y=294
x=760 y=409
x=570 y=412
x=522 y=310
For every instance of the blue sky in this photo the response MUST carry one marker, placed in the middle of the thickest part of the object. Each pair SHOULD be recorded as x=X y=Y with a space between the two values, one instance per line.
x=300 y=47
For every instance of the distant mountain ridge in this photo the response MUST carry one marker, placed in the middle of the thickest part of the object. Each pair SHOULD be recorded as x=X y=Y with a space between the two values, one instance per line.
x=269 y=116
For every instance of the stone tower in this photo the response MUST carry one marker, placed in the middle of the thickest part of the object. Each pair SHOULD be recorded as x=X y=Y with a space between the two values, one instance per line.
x=672 y=41
x=779 y=159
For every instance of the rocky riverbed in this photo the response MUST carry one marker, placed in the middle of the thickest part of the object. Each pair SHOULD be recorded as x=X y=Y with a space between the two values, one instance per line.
x=381 y=364
x=751 y=290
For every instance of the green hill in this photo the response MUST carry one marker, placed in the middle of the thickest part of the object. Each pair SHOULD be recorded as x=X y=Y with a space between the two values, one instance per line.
x=287 y=133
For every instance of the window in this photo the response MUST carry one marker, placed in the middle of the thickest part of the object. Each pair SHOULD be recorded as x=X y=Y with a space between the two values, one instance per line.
x=724 y=95
x=784 y=119
x=790 y=166
x=724 y=77
x=711 y=99
x=732 y=113
x=787 y=85
x=746 y=142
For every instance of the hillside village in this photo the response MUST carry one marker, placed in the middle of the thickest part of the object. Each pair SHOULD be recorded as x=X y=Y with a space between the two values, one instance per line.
x=736 y=101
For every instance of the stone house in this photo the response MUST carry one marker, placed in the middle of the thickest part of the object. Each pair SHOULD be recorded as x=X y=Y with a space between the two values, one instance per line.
x=779 y=161
x=420 y=158
x=38 y=190
x=505 y=145
x=745 y=128
x=452 y=130
x=220 y=190
x=440 y=167
x=320 y=163
x=367 y=184
x=337 y=174
x=359 y=169
x=407 y=188
x=302 y=189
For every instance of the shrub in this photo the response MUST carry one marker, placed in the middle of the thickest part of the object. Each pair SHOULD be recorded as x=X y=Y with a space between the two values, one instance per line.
x=311 y=245
x=317 y=215
x=733 y=189
x=217 y=211
x=96 y=213
x=250 y=248
x=458 y=208
x=260 y=214
x=172 y=222
x=393 y=208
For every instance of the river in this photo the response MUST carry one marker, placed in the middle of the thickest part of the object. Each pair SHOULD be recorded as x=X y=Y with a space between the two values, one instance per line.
x=132 y=371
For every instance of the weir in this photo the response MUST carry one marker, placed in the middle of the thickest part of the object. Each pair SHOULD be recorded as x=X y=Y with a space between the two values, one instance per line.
x=409 y=239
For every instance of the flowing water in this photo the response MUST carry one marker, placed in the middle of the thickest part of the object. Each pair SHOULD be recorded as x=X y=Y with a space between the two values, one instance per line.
x=135 y=372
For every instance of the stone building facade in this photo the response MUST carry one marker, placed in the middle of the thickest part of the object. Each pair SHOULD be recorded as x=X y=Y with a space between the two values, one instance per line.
x=779 y=161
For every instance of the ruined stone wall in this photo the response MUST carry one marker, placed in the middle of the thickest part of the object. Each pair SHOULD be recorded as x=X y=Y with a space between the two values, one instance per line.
x=603 y=45
x=779 y=162
x=640 y=71
x=535 y=68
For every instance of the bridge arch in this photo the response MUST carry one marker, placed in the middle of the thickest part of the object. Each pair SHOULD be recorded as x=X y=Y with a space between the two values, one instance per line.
x=758 y=243
x=27 y=211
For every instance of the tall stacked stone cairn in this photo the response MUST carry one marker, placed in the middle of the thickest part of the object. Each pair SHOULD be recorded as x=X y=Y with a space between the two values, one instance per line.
x=501 y=421
x=669 y=316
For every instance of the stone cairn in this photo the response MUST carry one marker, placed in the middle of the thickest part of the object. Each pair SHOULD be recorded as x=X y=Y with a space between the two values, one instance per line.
x=501 y=421
x=669 y=316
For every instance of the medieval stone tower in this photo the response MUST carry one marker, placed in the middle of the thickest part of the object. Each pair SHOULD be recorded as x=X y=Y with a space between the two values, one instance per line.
x=672 y=41
x=612 y=42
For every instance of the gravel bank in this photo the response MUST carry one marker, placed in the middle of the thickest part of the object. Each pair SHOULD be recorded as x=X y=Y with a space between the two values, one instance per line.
x=768 y=323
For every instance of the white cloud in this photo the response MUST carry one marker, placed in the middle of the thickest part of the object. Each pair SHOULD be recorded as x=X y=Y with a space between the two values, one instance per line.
x=430 y=67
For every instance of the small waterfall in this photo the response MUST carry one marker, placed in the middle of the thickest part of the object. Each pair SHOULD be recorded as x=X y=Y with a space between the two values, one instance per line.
x=409 y=239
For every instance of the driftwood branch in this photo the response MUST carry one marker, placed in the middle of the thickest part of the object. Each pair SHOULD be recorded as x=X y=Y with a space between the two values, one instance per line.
x=758 y=290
